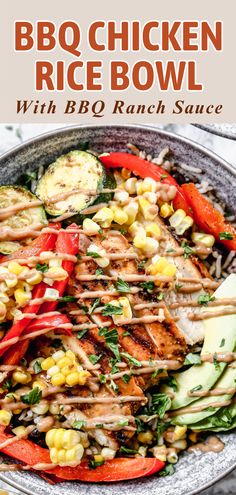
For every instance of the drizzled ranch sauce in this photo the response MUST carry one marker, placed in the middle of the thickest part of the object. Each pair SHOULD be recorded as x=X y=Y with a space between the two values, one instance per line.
x=57 y=395
x=212 y=444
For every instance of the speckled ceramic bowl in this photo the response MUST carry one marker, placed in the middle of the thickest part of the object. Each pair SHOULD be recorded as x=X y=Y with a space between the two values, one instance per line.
x=194 y=472
x=224 y=130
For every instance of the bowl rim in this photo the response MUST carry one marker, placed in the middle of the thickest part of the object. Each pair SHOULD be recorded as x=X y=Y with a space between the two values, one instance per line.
x=177 y=137
x=62 y=130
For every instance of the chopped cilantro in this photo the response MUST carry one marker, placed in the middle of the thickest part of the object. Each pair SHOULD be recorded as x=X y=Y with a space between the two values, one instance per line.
x=33 y=397
x=79 y=424
x=216 y=363
x=110 y=309
x=94 y=305
x=125 y=450
x=222 y=343
x=187 y=249
x=42 y=267
x=168 y=470
x=80 y=334
x=204 y=299
x=195 y=389
x=99 y=271
x=93 y=254
x=126 y=378
x=122 y=286
x=192 y=359
x=131 y=359
x=148 y=286
x=94 y=464
x=67 y=299
x=37 y=367
x=226 y=236
x=94 y=359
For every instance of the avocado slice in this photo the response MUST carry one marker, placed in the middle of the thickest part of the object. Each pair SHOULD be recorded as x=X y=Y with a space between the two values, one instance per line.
x=75 y=170
x=227 y=380
x=222 y=420
x=220 y=336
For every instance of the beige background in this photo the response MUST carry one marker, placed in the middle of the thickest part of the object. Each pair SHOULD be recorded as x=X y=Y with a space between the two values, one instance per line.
x=216 y=70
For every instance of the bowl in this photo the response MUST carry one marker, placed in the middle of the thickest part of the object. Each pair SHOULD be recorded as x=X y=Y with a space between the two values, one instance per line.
x=194 y=472
x=224 y=130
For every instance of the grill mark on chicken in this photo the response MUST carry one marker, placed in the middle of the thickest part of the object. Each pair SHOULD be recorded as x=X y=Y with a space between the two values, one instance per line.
x=166 y=340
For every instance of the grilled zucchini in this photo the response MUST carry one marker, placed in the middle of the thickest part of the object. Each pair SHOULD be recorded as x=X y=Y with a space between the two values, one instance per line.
x=10 y=196
x=76 y=170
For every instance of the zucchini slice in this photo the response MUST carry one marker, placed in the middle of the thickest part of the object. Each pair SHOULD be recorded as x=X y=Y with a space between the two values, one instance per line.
x=9 y=247
x=10 y=196
x=76 y=170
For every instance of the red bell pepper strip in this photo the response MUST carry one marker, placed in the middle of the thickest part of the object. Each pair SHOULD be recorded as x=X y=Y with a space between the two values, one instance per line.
x=44 y=242
x=207 y=217
x=66 y=243
x=50 y=322
x=146 y=169
x=114 y=470
x=17 y=329
x=16 y=352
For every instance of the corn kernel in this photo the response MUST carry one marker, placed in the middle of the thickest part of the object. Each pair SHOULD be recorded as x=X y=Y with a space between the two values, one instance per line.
x=53 y=455
x=148 y=211
x=153 y=230
x=64 y=361
x=58 y=355
x=104 y=217
x=201 y=238
x=176 y=219
x=90 y=226
x=71 y=355
x=158 y=265
x=125 y=304
x=5 y=417
x=139 y=187
x=130 y=185
x=102 y=260
x=61 y=457
x=151 y=246
x=35 y=278
x=166 y=210
x=19 y=431
x=184 y=225
x=11 y=282
x=180 y=444
x=172 y=457
x=169 y=270
x=108 y=453
x=140 y=240
x=58 y=379
x=131 y=210
x=55 y=262
x=74 y=455
x=179 y=432
x=121 y=196
x=98 y=458
x=21 y=377
x=47 y=363
x=145 y=436
x=77 y=378
x=70 y=439
x=15 y=268
x=66 y=370
x=40 y=384
x=136 y=228
x=21 y=297
x=159 y=453
x=120 y=216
